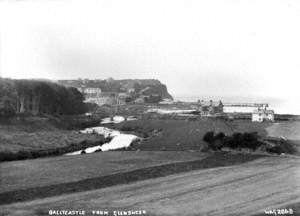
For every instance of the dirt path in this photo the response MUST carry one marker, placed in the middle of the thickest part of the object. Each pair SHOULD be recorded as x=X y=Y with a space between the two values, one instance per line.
x=246 y=189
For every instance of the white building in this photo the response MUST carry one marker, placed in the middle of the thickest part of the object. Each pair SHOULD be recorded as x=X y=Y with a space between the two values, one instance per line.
x=106 y=98
x=243 y=107
x=261 y=115
x=92 y=91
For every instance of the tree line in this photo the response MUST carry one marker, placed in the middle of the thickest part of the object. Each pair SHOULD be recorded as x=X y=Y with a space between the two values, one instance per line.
x=39 y=97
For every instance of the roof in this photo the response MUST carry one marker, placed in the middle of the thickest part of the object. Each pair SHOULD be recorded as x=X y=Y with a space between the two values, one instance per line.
x=263 y=111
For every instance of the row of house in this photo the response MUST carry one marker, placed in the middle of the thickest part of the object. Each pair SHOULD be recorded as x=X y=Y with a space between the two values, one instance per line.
x=261 y=115
x=259 y=111
x=206 y=108
x=95 y=95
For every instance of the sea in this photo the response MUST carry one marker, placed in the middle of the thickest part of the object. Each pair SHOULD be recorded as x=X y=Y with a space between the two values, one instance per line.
x=279 y=105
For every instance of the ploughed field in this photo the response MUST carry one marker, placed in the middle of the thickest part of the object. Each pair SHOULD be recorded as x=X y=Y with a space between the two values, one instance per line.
x=245 y=189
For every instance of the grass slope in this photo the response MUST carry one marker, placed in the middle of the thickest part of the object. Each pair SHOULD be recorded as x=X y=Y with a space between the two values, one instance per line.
x=184 y=135
x=32 y=137
x=215 y=160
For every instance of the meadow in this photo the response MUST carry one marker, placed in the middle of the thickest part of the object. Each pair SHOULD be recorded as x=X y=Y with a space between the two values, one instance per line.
x=183 y=135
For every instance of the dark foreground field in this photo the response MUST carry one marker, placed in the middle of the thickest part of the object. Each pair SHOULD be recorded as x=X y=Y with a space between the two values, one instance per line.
x=244 y=189
x=16 y=175
x=41 y=179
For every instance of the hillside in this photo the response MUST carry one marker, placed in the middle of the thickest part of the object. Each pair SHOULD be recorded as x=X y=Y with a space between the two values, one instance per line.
x=136 y=86
x=32 y=137
x=181 y=135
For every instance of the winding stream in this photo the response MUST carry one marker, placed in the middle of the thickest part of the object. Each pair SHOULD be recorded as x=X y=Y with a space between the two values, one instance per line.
x=118 y=141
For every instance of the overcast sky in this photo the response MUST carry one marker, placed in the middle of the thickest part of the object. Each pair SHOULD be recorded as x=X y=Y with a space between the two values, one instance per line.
x=213 y=47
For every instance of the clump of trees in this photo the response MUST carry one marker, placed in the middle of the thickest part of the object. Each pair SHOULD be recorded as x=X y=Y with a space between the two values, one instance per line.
x=39 y=97
x=234 y=141
x=249 y=141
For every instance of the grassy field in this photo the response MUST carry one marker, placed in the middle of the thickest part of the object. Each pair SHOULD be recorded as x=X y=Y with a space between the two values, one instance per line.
x=54 y=176
x=33 y=137
x=36 y=135
x=287 y=129
x=55 y=170
x=182 y=134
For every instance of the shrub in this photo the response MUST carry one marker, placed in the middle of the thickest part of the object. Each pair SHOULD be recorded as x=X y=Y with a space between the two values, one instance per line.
x=220 y=136
x=275 y=149
x=284 y=146
x=209 y=137
x=215 y=142
x=237 y=140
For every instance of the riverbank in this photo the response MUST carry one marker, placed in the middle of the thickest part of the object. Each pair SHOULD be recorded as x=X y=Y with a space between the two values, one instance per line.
x=32 y=137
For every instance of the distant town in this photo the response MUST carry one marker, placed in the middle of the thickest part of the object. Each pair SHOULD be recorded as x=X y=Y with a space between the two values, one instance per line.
x=120 y=92
x=31 y=97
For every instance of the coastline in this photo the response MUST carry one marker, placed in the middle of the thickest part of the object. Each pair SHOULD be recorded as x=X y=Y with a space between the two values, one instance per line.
x=280 y=106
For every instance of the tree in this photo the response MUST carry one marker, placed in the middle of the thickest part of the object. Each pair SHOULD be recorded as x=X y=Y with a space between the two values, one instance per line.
x=8 y=97
x=208 y=137
x=40 y=97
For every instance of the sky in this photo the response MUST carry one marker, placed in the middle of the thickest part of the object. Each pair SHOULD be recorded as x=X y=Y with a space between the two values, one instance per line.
x=226 y=48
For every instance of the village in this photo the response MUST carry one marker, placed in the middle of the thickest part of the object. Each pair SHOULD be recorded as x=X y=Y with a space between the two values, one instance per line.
x=257 y=112
x=117 y=95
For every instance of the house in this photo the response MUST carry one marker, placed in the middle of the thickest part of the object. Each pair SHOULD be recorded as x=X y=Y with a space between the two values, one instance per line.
x=139 y=100
x=123 y=95
x=261 y=115
x=109 y=98
x=246 y=108
x=90 y=92
x=210 y=107
x=131 y=90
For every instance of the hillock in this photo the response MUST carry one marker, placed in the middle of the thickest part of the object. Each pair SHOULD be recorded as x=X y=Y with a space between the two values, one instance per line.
x=136 y=87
